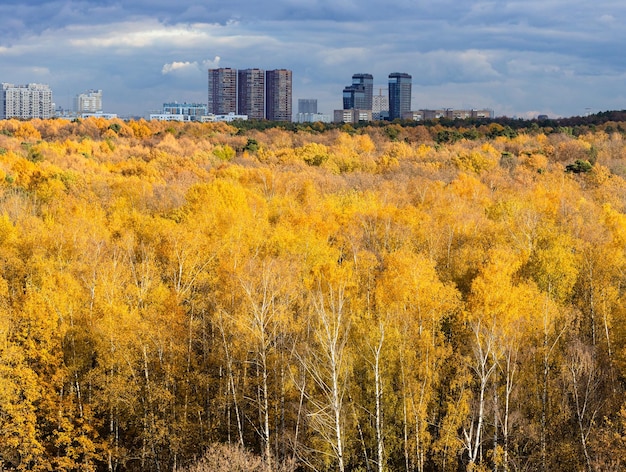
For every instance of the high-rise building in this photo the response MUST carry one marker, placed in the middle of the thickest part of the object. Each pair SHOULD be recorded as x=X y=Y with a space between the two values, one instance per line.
x=278 y=95
x=365 y=82
x=307 y=105
x=359 y=94
x=251 y=93
x=380 y=105
x=399 y=94
x=222 y=91
x=88 y=102
x=26 y=101
x=353 y=97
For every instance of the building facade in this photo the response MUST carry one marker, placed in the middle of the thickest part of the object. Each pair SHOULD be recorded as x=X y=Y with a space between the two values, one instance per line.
x=26 y=101
x=399 y=94
x=353 y=97
x=174 y=111
x=251 y=93
x=88 y=102
x=450 y=114
x=228 y=118
x=380 y=105
x=352 y=116
x=364 y=82
x=278 y=86
x=222 y=91
x=99 y=114
x=307 y=105
x=359 y=94
x=186 y=109
x=313 y=118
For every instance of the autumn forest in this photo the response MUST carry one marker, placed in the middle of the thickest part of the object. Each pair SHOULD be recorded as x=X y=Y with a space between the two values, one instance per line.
x=393 y=298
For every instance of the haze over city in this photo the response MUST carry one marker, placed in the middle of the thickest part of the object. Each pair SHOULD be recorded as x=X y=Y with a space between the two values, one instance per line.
x=516 y=58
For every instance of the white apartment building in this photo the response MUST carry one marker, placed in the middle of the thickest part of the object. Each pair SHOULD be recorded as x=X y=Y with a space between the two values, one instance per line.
x=26 y=101
x=208 y=118
x=313 y=117
x=88 y=102
x=380 y=105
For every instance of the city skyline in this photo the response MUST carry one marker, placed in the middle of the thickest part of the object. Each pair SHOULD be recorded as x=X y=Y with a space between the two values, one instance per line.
x=517 y=58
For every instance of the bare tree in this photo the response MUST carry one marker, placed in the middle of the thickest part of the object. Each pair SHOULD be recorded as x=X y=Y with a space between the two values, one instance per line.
x=326 y=363
x=233 y=458
x=583 y=377
x=485 y=363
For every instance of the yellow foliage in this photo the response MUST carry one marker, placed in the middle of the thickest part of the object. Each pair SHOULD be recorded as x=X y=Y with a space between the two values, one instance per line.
x=27 y=131
x=140 y=129
x=8 y=232
x=469 y=187
x=313 y=154
x=476 y=161
x=159 y=292
x=535 y=161
x=423 y=151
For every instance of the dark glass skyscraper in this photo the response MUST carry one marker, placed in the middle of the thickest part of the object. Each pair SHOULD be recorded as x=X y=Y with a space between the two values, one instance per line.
x=359 y=95
x=399 y=94
x=366 y=83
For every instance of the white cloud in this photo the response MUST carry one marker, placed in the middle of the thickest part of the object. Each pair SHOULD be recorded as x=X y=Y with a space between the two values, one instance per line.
x=514 y=55
x=211 y=64
x=178 y=66
x=187 y=66
x=607 y=19
x=139 y=36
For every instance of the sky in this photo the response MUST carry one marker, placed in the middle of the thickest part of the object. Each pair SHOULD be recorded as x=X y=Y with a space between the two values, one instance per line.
x=518 y=58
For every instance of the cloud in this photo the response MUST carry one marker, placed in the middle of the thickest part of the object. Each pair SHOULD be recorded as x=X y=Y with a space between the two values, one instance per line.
x=178 y=66
x=512 y=55
x=193 y=66
x=139 y=35
x=211 y=64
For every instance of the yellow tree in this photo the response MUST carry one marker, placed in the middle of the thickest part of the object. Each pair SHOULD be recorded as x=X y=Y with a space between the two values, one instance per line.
x=553 y=266
x=416 y=304
x=503 y=315
x=21 y=446
x=267 y=291
x=327 y=359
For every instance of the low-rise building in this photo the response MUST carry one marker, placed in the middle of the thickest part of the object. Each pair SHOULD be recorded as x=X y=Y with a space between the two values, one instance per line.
x=313 y=118
x=227 y=118
x=352 y=116
x=168 y=117
x=448 y=113
x=175 y=111
x=106 y=116
x=413 y=115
